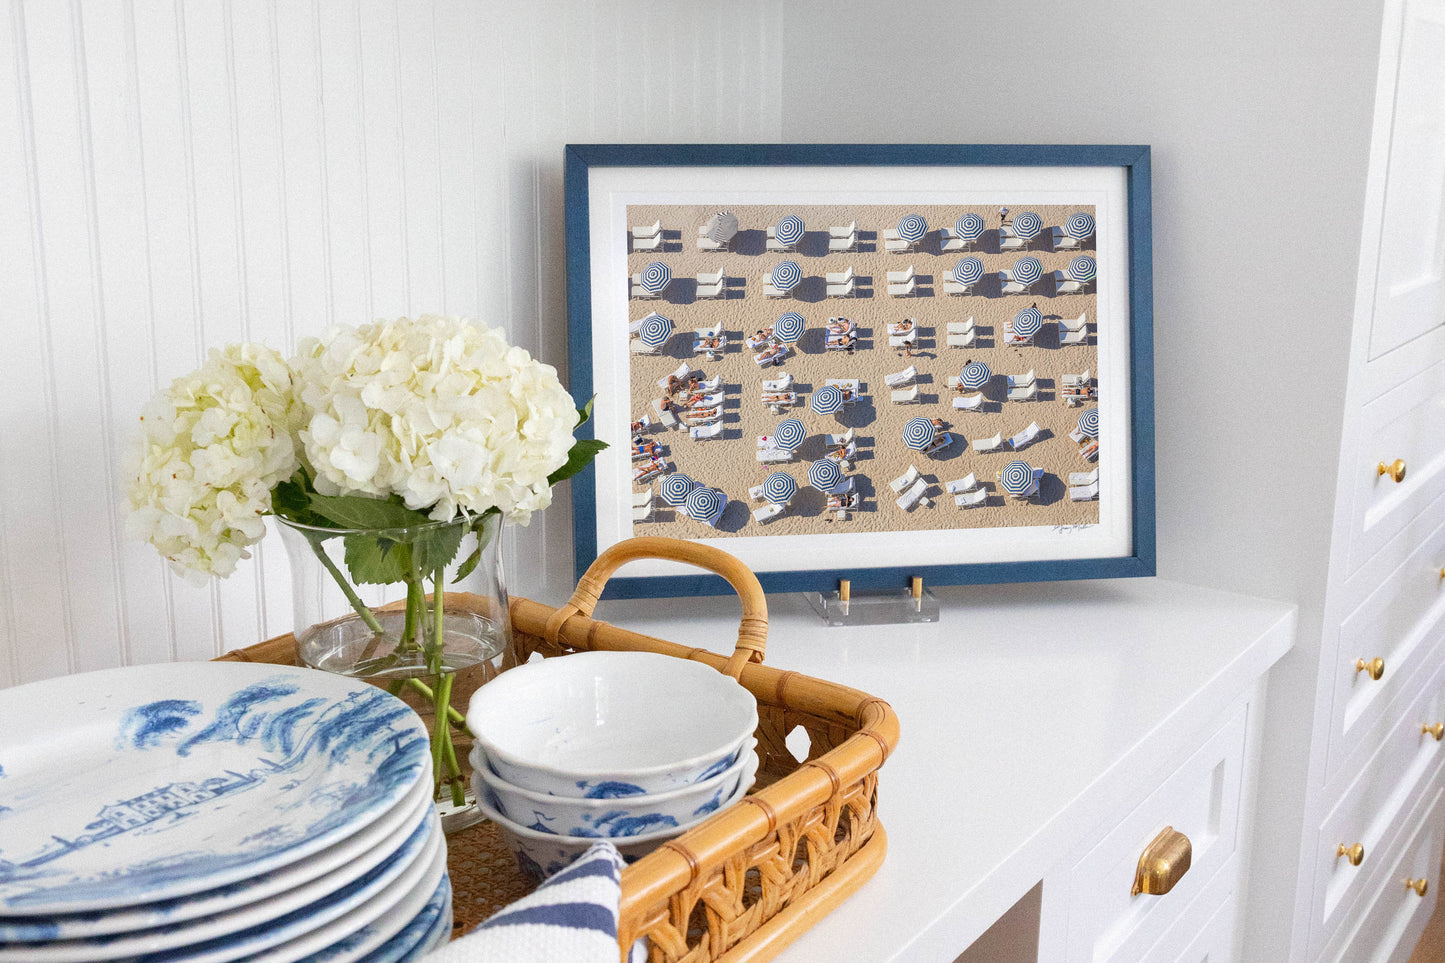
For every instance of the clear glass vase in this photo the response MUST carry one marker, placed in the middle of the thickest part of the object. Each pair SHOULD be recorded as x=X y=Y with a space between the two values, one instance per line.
x=365 y=606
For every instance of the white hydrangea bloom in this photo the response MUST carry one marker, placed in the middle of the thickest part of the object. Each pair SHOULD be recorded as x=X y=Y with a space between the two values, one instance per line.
x=438 y=410
x=210 y=449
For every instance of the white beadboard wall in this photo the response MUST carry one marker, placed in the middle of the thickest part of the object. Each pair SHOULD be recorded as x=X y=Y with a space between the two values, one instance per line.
x=176 y=176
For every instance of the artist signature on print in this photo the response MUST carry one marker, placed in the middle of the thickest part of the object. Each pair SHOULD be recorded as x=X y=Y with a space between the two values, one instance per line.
x=1077 y=527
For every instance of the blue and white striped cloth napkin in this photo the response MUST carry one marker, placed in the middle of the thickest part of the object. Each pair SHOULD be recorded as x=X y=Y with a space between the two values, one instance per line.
x=571 y=917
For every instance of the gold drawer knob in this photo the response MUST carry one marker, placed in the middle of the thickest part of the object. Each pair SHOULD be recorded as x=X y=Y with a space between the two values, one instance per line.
x=1421 y=886
x=1375 y=668
x=1436 y=729
x=1163 y=863
x=1395 y=469
x=1355 y=854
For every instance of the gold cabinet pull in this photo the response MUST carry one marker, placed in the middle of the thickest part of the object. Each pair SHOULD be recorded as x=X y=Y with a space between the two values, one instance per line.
x=1395 y=469
x=1163 y=863
x=1421 y=886
x=1436 y=729
x=1355 y=854
x=1375 y=668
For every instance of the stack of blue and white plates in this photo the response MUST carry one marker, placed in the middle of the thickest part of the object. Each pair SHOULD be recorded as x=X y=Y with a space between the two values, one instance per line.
x=214 y=812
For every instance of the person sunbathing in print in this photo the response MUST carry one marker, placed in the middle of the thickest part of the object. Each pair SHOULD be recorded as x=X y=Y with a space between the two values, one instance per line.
x=839 y=326
x=777 y=397
x=771 y=355
x=647 y=448
x=847 y=501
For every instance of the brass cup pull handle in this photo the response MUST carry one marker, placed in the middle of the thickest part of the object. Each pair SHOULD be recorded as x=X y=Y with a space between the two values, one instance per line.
x=1375 y=668
x=1163 y=863
x=1355 y=854
x=1395 y=469
x=1421 y=886
x=1436 y=729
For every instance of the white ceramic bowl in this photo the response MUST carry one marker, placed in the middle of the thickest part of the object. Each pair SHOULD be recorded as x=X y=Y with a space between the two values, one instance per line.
x=620 y=815
x=541 y=854
x=610 y=723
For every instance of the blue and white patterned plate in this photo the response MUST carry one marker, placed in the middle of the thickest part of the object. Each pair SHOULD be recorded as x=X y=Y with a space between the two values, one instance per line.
x=146 y=783
x=339 y=865
x=427 y=930
x=272 y=922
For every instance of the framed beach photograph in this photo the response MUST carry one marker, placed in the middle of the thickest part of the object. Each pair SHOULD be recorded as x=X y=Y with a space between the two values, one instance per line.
x=864 y=362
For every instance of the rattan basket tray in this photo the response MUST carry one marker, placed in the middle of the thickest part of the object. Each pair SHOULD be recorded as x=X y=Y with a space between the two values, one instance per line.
x=746 y=882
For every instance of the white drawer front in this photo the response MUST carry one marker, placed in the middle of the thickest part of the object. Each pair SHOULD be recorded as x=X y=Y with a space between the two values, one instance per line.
x=1394 y=920
x=1200 y=800
x=1368 y=813
x=1407 y=424
x=1212 y=939
x=1401 y=623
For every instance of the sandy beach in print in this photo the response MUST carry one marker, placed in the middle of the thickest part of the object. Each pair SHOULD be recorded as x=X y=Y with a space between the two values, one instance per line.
x=730 y=463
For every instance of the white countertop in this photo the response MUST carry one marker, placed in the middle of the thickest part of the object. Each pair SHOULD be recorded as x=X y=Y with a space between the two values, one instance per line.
x=1011 y=709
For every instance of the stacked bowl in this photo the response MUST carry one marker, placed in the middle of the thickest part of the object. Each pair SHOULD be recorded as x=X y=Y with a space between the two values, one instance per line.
x=209 y=812
x=636 y=747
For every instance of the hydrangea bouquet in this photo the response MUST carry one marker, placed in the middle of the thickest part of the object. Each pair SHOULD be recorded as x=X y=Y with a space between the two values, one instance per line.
x=394 y=441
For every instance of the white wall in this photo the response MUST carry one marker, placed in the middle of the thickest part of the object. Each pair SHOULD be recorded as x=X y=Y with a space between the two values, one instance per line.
x=177 y=176
x=1259 y=118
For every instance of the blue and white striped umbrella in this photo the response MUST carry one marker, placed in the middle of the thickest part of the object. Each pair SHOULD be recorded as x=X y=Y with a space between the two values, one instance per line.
x=1016 y=477
x=1027 y=225
x=1027 y=322
x=1027 y=270
x=722 y=226
x=1089 y=423
x=655 y=330
x=704 y=504
x=968 y=270
x=780 y=487
x=825 y=475
x=789 y=434
x=912 y=228
x=1079 y=225
x=1083 y=269
x=826 y=399
x=789 y=230
x=975 y=375
x=789 y=327
x=918 y=433
x=969 y=227
x=786 y=275
x=675 y=488
x=655 y=276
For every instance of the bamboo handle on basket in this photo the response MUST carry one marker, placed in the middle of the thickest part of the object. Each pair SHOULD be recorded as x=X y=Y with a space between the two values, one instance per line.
x=752 y=633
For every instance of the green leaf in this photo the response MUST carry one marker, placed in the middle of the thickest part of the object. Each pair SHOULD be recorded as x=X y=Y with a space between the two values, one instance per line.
x=436 y=548
x=358 y=511
x=585 y=412
x=578 y=458
x=485 y=526
x=376 y=561
x=290 y=500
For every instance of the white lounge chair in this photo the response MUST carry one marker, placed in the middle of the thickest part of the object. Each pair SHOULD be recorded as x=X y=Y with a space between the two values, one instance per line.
x=988 y=444
x=965 y=484
x=771 y=292
x=1023 y=438
x=643 y=474
x=776 y=246
x=756 y=493
x=897 y=246
x=1075 y=324
x=681 y=371
x=1083 y=477
x=840 y=277
x=641 y=498
x=839 y=245
x=642 y=512
x=904 y=480
x=848 y=231
x=1026 y=393
x=774 y=456
x=843 y=487
x=707 y=244
x=835 y=441
x=906 y=290
x=912 y=498
x=971 y=499
x=764 y=358
x=901 y=378
x=1010 y=286
x=907 y=396
x=647 y=243
x=767 y=513
x=1090 y=451
x=1011 y=243
x=779 y=384
x=847 y=384
x=904 y=340
x=652 y=230
x=1022 y=381
x=711 y=332
x=950 y=242
x=1080 y=336
x=940 y=443
x=1078 y=380
x=788 y=400
x=846 y=289
x=899 y=277
x=973 y=402
x=1084 y=493
x=709 y=347
x=962 y=340
x=1063 y=284
x=710 y=385
x=666 y=418
x=637 y=347
x=710 y=286
x=1064 y=242
x=954 y=288
x=960 y=327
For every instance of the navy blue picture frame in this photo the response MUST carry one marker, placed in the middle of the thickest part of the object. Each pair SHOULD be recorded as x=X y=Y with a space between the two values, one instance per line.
x=1134 y=162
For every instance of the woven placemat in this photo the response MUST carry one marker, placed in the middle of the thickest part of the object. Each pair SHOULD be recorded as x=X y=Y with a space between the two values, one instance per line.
x=484 y=875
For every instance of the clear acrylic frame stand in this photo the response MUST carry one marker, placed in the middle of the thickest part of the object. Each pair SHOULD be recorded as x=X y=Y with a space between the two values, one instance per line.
x=887 y=607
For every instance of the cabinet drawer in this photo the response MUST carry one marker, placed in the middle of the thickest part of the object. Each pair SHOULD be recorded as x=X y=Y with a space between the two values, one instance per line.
x=1399 y=623
x=1369 y=812
x=1405 y=424
x=1205 y=931
x=1393 y=921
x=1201 y=800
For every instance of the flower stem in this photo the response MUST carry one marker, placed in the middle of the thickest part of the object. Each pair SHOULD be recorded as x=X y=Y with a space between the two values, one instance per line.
x=425 y=691
x=347 y=590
